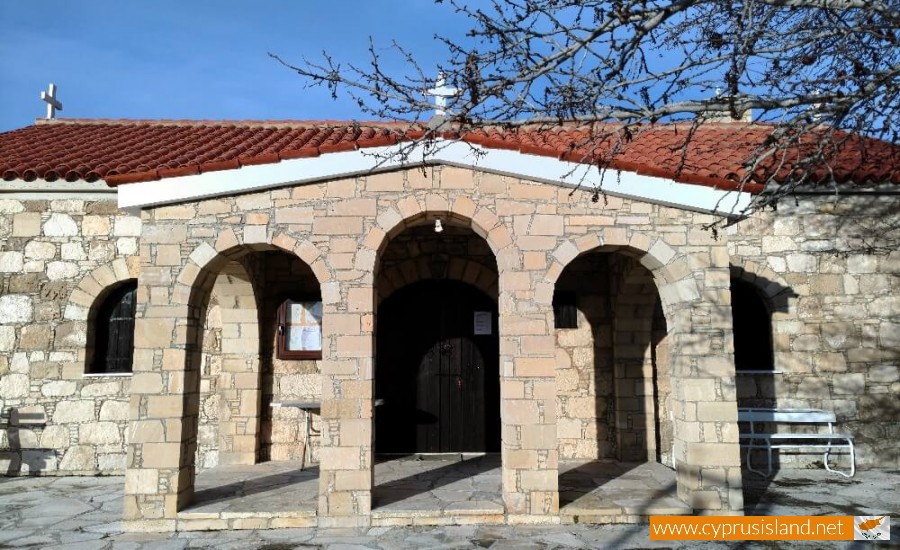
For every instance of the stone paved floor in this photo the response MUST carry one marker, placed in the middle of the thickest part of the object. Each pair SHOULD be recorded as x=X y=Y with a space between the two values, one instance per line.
x=281 y=486
x=618 y=489
x=439 y=487
x=84 y=513
x=442 y=486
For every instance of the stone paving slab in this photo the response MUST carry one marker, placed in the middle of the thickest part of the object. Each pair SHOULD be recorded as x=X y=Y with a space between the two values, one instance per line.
x=86 y=515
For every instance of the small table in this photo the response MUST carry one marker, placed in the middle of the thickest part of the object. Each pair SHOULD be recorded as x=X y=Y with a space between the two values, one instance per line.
x=307 y=407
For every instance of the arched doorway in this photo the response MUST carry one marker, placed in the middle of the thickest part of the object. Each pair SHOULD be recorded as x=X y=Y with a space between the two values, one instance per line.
x=438 y=370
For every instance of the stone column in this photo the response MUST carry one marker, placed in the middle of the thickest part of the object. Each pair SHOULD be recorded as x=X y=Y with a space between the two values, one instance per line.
x=707 y=453
x=346 y=454
x=164 y=401
x=528 y=410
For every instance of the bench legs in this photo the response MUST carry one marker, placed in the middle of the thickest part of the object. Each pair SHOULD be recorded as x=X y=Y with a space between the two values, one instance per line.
x=750 y=448
x=852 y=460
x=751 y=445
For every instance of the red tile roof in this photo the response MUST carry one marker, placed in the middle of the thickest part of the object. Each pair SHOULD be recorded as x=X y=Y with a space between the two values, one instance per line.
x=126 y=151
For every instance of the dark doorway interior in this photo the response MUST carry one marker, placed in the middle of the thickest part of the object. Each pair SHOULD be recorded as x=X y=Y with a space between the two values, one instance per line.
x=437 y=374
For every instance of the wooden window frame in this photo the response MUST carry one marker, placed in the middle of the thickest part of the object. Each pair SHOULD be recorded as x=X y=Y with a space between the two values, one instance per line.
x=102 y=321
x=281 y=331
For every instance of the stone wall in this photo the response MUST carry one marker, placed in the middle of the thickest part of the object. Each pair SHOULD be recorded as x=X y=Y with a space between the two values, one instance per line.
x=835 y=312
x=584 y=364
x=57 y=256
x=341 y=229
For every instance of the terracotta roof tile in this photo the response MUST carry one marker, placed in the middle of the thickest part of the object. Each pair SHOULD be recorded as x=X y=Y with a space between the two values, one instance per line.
x=125 y=151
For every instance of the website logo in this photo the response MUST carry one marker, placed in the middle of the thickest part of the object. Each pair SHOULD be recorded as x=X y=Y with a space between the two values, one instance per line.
x=871 y=528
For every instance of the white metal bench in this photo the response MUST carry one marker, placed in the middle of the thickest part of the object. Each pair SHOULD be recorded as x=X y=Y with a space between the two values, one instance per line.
x=757 y=439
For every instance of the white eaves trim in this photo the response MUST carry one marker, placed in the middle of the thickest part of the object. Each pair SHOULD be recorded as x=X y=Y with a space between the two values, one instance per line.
x=59 y=189
x=379 y=159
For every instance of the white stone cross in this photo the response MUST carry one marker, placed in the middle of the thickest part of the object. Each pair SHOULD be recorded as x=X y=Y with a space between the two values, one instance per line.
x=441 y=92
x=52 y=103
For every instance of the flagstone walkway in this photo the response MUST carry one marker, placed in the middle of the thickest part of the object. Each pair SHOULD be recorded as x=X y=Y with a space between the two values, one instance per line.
x=84 y=513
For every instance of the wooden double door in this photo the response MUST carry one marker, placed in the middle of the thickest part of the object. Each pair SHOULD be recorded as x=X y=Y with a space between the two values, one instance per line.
x=437 y=370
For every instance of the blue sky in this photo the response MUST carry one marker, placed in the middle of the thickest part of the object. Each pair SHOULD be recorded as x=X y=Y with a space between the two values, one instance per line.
x=195 y=59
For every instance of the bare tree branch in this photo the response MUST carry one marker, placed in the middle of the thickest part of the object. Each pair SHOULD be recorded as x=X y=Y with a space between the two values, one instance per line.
x=817 y=73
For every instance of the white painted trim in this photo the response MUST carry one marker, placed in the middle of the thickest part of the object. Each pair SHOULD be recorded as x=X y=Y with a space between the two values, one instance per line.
x=49 y=190
x=366 y=161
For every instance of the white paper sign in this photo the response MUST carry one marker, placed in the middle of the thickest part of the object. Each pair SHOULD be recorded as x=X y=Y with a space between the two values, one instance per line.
x=482 y=323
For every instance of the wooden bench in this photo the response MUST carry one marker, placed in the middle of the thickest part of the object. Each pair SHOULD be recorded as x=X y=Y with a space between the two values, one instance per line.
x=828 y=441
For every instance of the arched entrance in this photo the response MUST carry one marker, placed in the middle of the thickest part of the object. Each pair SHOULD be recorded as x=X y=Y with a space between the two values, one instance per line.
x=613 y=386
x=438 y=370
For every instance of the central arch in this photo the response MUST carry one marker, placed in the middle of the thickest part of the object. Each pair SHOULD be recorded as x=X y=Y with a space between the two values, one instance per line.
x=437 y=374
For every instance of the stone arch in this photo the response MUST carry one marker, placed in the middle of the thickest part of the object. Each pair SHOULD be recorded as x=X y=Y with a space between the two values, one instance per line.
x=635 y=278
x=81 y=307
x=410 y=210
x=95 y=283
x=240 y=394
x=657 y=256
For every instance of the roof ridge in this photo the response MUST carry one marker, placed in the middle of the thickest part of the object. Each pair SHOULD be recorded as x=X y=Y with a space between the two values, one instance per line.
x=248 y=123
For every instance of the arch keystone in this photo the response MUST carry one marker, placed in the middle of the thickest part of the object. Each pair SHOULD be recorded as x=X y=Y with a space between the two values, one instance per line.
x=615 y=236
x=256 y=234
x=437 y=203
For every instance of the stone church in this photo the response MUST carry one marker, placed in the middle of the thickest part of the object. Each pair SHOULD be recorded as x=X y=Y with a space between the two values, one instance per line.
x=170 y=288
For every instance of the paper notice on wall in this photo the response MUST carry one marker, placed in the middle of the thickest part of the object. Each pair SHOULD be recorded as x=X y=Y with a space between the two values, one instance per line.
x=304 y=338
x=482 y=323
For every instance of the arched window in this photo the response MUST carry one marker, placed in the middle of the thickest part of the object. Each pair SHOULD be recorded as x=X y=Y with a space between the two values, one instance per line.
x=113 y=327
x=752 y=328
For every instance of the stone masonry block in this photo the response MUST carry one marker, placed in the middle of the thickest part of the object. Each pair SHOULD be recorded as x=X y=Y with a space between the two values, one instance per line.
x=849 y=383
x=709 y=411
x=565 y=253
x=713 y=454
x=26 y=224
x=463 y=206
x=520 y=412
x=539 y=437
x=535 y=366
x=340 y=458
x=161 y=455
